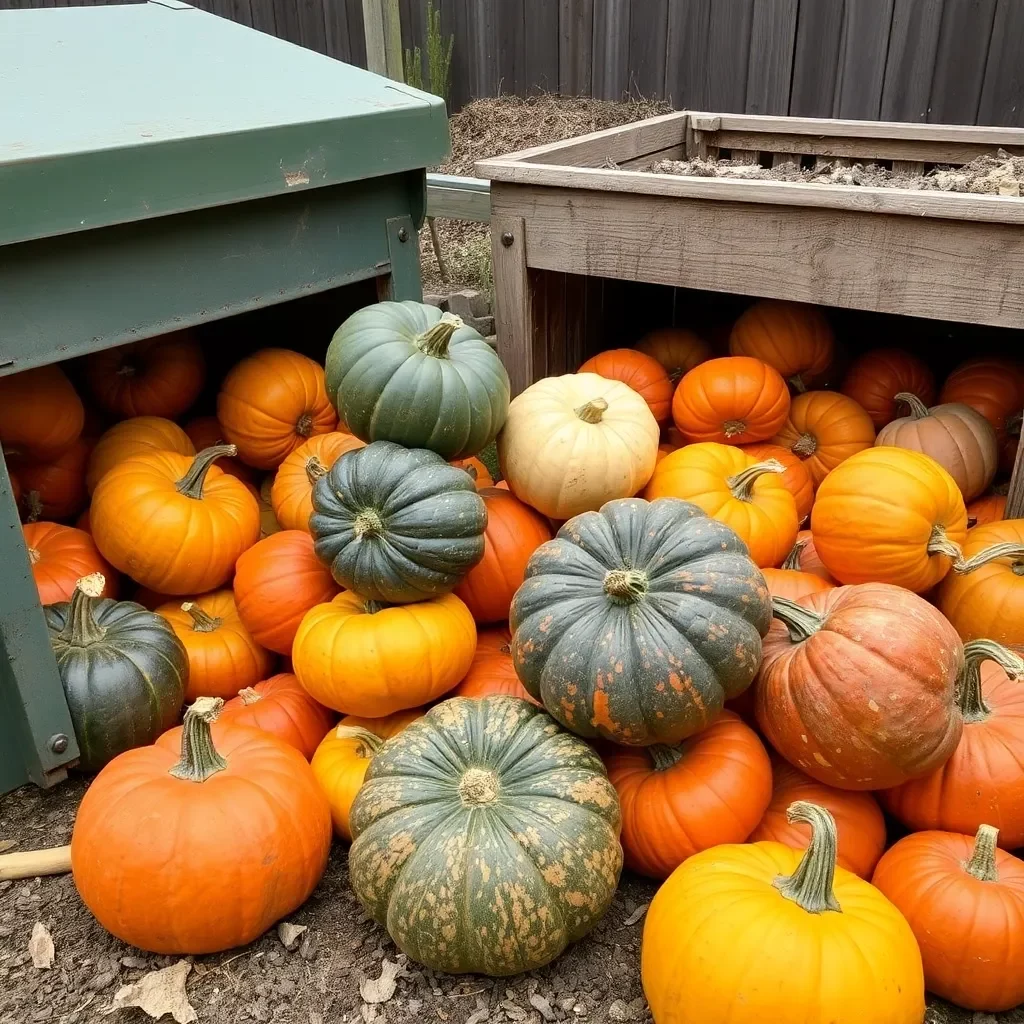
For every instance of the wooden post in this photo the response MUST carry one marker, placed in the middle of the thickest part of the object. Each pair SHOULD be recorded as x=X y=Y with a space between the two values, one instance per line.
x=382 y=26
x=513 y=305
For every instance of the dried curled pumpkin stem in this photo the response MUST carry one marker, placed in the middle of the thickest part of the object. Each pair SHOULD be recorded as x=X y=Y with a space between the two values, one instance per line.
x=80 y=627
x=969 y=693
x=625 y=586
x=982 y=864
x=434 y=341
x=314 y=469
x=797 y=383
x=372 y=607
x=793 y=558
x=199 y=758
x=191 y=484
x=34 y=505
x=742 y=484
x=804 y=446
x=1005 y=549
x=940 y=544
x=801 y=622
x=369 y=742
x=810 y=886
x=592 y=411
x=918 y=410
x=202 y=622
x=664 y=757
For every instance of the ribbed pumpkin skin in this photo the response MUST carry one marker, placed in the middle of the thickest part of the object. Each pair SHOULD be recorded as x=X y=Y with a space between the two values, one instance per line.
x=54 y=489
x=60 y=556
x=387 y=388
x=992 y=386
x=874 y=380
x=643 y=373
x=793 y=584
x=804 y=557
x=136 y=436
x=492 y=671
x=41 y=414
x=428 y=528
x=797 y=478
x=123 y=689
x=505 y=823
x=291 y=493
x=656 y=670
x=676 y=348
x=984 y=510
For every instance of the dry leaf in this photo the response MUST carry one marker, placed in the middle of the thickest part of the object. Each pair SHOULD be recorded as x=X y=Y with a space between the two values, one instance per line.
x=380 y=990
x=40 y=946
x=636 y=915
x=159 y=993
x=7 y=844
x=289 y=934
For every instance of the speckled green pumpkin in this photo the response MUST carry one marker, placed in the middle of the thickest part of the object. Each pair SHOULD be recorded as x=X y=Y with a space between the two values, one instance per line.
x=397 y=525
x=406 y=372
x=124 y=674
x=637 y=622
x=486 y=839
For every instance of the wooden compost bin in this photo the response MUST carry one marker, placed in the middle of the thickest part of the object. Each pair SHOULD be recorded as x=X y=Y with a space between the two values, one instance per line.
x=568 y=216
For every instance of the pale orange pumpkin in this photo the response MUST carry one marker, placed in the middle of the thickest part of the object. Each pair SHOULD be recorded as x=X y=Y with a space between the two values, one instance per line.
x=792 y=337
x=677 y=349
x=291 y=494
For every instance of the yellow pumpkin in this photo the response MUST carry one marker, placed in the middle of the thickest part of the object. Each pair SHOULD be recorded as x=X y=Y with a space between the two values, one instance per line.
x=761 y=933
x=572 y=443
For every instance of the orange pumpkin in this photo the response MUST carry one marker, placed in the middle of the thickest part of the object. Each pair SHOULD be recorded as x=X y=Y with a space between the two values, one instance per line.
x=41 y=415
x=268 y=521
x=734 y=400
x=735 y=489
x=984 y=510
x=477 y=470
x=281 y=707
x=291 y=494
x=492 y=670
x=223 y=658
x=804 y=557
x=793 y=584
x=54 y=490
x=155 y=377
x=60 y=556
x=792 y=337
x=995 y=388
x=173 y=523
x=205 y=432
x=643 y=373
x=878 y=376
x=676 y=348
x=796 y=479
x=82 y=522
x=514 y=531
x=271 y=402
x=134 y=437
x=276 y=582
x=825 y=428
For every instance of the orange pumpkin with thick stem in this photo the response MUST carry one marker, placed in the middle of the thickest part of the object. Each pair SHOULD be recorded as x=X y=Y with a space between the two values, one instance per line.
x=228 y=795
x=877 y=377
x=477 y=470
x=173 y=523
x=964 y=900
x=292 y=489
x=137 y=436
x=60 y=556
x=677 y=801
x=54 y=490
x=281 y=707
x=733 y=400
x=344 y=755
x=857 y=686
x=223 y=657
x=984 y=510
x=271 y=402
x=792 y=337
x=825 y=428
x=41 y=415
x=736 y=489
x=514 y=531
x=995 y=388
x=804 y=558
x=276 y=582
x=159 y=376
x=205 y=432
x=889 y=515
x=643 y=373
x=796 y=479
x=859 y=820
x=677 y=349
x=492 y=670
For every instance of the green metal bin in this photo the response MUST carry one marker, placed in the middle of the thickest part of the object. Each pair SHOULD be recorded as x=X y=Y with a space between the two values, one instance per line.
x=161 y=168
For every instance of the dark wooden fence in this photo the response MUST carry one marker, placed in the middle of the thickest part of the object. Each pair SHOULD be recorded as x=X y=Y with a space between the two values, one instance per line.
x=904 y=60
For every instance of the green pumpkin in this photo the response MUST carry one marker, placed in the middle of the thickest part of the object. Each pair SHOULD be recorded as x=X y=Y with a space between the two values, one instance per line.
x=123 y=669
x=405 y=372
x=486 y=839
x=637 y=622
x=397 y=525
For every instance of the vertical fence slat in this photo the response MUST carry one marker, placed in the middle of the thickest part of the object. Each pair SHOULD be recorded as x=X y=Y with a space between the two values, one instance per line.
x=729 y=54
x=686 y=57
x=540 y=46
x=960 y=61
x=511 y=46
x=335 y=29
x=356 y=37
x=770 y=68
x=865 y=45
x=481 y=48
x=286 y=20
x=312 y=24
x=819 y=29
x=263 y=15
x=911 y=63
x=575 y=46
x=648 y=32
x=413 y=14
x=611 y=49
x=1002 y=94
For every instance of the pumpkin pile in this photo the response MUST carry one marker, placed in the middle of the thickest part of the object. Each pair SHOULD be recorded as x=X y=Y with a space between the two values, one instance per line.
x=719 y=611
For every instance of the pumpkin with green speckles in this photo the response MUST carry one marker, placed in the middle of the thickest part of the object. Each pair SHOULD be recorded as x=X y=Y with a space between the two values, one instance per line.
x=637 y=622
x=486 y=839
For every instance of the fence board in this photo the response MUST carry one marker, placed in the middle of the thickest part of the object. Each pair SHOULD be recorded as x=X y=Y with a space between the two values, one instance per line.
x=819 y=31
x=648 y=29
x=910 y=64
x=312 y=24
x=413 y=14
x=863 y=52
x=481 y=48
x=540 y=30
x=575 y=46
x=686 y=53
x=455 y=22
x=286 y=20
x=770 y=67
x=960 y=63
x=611 y=49
x=511 y=46
x=728 y=54
x=262 y=13
x=1002 y=94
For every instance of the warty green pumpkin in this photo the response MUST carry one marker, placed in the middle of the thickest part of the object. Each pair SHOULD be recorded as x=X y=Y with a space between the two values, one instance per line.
x=397 y=525
x=637 y=622
x=486 y=839
x=406 y=372
x=123 y=669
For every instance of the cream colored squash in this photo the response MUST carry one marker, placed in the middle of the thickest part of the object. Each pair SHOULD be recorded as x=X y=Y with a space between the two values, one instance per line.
x=572 y=443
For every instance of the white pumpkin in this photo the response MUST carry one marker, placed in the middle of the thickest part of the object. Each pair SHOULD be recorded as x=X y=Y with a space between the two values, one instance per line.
x=572 y=443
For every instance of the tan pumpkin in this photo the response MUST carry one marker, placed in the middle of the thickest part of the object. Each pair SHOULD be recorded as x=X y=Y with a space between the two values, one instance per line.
x=956 y=436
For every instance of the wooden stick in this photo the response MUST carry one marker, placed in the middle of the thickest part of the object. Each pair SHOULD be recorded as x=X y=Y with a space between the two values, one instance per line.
x=1015 y=495
x=442 y=269
x=33 y=863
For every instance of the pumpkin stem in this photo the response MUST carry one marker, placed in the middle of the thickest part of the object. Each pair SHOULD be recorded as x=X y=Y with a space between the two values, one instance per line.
x=918 y=410
x=372 y=607
x=199 y=757
x=969 y=694
x=370 y=742
x=434 y=341
x=249 y=696
x=625 y=586
x=664 y=757
x=368 y=524
x=1005 y=549
x=810 y=886
x=805 y=446
x=793 y=558
x=742 y=484
x=81 y=628
x=982 y=864
x=592 y=411
x=733 y=428
x=940 y=544
x=34 y=504
x=304 y=425
x=202 y=622
x=1014 y=423
x=796 y=382
x=314 y=470
x=801 y=622
x=33 y=556
x=191 y=484
x=478 y=787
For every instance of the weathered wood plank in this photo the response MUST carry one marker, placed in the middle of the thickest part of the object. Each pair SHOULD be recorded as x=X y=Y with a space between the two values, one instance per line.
x=648 y=32
x=611 y=49
x=960 y=61
x=863 y=51
x=457 y=25
x=540 y=25
x=575 y=46
x=1015 y=496
x=335 y=30
x=312 y=24
x=819 y=33
x=911 y=61
x=513 y=303
x=286 y=20
x=729 y=53
x=482 y=48
x=263 y=17
x=1002 y=94
x=686 y=53
x=356 y=35
x=512 y=47
x=770 y=66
